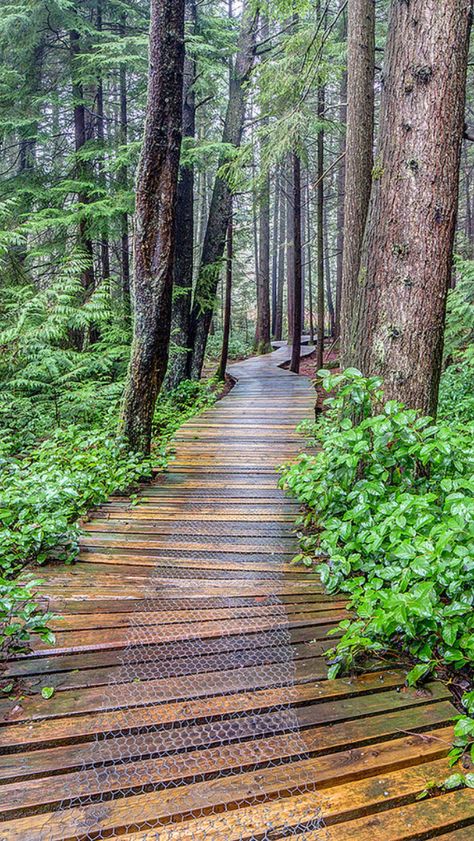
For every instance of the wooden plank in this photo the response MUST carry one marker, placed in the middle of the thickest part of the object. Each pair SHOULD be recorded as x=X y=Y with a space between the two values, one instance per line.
x=87 y=640
x=432 y=711
x=342 y=802
x=97 y=620
x=332 y=769
x=426 y=819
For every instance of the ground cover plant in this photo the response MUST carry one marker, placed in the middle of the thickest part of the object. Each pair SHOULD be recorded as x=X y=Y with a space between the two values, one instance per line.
x=389 y=520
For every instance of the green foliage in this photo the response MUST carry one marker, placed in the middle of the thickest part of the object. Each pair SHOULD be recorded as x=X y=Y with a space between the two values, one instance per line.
x=390 y=508
x=50 y=373
x=456 y=398
x=456 y=394
x=459 y=332
x=239 y=346
x=45 y=489
x=464 y=731
x=176 y=407
x=20 y=616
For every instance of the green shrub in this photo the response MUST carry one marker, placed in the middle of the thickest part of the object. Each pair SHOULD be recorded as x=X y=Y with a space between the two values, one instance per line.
x=456 y=394
x=175 y=407
x=44 y=490
x=390 y=511
x=239 y=346
x=49 y=484
x=20 y=616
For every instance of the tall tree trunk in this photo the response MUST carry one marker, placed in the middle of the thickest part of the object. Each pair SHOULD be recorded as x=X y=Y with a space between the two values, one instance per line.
x=290 y=246
x=82 y=168
x=183 y=276
x=407 y=255
x=220 y=374
x=327 y=270
x=309 y=260
x=341 y=177
x=297 y=268
x=359 y=155
x=154 y=246
x=281 y=262
x=262 y=332
x=123 y=178
x=276 y=210
x=254 y=206
x=221 y=204
x=320 y=231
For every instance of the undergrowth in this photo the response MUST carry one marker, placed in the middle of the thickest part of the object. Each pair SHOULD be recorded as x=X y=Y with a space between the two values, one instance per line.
x=50 y=483
x=63 y=363
x=389 y=520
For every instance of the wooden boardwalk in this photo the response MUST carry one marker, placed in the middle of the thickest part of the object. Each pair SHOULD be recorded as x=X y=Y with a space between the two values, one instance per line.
x=190 y=694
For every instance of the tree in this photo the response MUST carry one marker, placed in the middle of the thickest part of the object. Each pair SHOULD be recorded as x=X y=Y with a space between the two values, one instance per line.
x=297 y=268
x=220 y=373
x=276 y=217
x=82 y=166
x=123 y=178
x=262 y=331
x=183 y=276
x=321 y=105
x=341 y=180
x=155 y=222
x=407 y=255
x=281 y=245
x=221 y=204
x=359 y=152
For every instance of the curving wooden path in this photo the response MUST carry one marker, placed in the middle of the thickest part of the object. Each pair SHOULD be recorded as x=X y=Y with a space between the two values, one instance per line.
x=192 y=642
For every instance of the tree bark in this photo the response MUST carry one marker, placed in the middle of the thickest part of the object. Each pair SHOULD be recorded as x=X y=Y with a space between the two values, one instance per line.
x=297 y=267
x=407 y=256
x=276 y=210
x=309 y=260
x=155 y=225
x=221 y=203
x=184 y=264
x=359 y=155
x=327 y=271
x=220 y=374
x=123 y=178
x=262 y=331
x=281 y=263
x=320 y=232
x=290 y=247
x=341 y=177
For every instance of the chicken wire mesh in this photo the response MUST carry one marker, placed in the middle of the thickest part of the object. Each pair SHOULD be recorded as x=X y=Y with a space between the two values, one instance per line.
x=188 y=713
x=204 y=739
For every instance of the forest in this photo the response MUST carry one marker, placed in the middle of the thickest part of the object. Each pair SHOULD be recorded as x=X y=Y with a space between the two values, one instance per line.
x=185 y=183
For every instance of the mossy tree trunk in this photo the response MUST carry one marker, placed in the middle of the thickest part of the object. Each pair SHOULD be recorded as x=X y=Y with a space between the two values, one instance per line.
x=406 y=260
x=183 y=276
x=359 y=154
x=220 y=373
x=155 y=222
